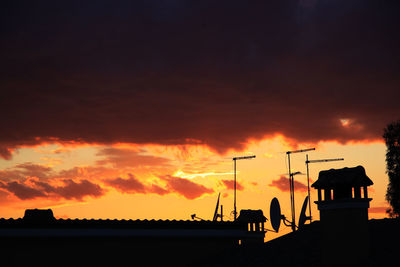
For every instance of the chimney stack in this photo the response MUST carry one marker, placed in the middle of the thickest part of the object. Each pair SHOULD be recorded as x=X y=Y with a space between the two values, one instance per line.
x=343 y=204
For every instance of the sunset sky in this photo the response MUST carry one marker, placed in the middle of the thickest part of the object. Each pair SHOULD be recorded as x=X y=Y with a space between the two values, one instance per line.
x=134 y=109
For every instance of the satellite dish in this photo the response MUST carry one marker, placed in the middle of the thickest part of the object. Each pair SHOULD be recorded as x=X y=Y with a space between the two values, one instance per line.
x=215 y=217
x=303 y=216
x=275 y=214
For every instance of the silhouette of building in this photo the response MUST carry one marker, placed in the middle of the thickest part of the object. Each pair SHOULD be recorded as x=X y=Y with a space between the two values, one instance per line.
x=344 y=215
x=343 y=237
x=104 y=242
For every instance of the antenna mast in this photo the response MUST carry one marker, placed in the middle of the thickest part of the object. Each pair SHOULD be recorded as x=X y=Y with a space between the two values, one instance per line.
x=291 y=185
x=308 y=177
x=234 y=183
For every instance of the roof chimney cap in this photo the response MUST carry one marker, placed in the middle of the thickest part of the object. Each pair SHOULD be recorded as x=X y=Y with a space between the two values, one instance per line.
x=345 y=177
x=252 y=216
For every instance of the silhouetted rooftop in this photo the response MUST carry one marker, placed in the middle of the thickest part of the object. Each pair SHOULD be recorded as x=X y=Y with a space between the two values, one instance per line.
x=97 y=242
x=122 y=224
x=303 y=248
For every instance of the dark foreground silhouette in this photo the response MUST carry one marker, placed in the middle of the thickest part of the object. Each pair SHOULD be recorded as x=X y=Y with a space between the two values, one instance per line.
x=39 y=239
x=343 y=237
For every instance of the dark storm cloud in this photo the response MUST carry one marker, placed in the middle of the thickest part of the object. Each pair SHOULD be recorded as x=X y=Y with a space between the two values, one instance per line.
x=211 y=72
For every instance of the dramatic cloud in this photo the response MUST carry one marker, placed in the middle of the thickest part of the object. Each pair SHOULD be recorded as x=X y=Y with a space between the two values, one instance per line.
x=204 y=72
x=24 y=170
x=186 y=188
x=30 y=181
x=35 y=170
x=120 y=158
x=130 y=185
x=31 y=189
x=157 y=190
x=22 y=191
x=28 y=169
x=283 y=184
x=181 y=186
x=229 y=184
x=79 y=190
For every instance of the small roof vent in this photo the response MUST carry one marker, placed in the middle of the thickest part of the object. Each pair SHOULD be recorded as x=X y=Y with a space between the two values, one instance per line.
x=38 y=215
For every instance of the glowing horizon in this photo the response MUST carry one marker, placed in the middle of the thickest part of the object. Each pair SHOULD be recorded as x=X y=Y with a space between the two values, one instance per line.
x=158 y=182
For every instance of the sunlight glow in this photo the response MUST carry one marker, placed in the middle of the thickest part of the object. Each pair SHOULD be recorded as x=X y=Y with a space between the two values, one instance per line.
x=144 y=167
x=180 y=173
x=345 y=122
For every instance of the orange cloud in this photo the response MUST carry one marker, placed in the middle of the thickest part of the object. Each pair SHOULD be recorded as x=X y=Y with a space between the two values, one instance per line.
x=186 y=188
x=121 y=158
x=22 y=191
x=130 y=185
x=229 y=184
x=181 y=186
x=283 y=184
x=31 y=189
x=26 y=169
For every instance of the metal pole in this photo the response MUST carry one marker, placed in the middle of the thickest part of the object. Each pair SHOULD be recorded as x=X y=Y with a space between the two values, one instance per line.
x=291 y=194
x=308 y=187
x=234 y=190
x=234 y=184
x=291 y=183
x=293 y=205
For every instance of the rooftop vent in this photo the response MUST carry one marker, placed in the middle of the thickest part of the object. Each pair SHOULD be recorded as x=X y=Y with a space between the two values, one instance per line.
x=38 y=215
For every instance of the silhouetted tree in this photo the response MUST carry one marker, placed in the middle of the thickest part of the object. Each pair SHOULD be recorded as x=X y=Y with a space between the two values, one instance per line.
x=392 y=139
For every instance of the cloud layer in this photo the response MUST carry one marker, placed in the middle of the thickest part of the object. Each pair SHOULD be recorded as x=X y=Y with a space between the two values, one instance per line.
x=229 y=184
x=31 y=181
x=283 y=184
x=173 y=184
x=210 y=72
x=70 y=189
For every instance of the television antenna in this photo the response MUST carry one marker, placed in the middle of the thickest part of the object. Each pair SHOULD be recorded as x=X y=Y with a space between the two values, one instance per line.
x=308 y=177
x=216 y=215
x=291 y=185
x=234 y=183
x=303 y=218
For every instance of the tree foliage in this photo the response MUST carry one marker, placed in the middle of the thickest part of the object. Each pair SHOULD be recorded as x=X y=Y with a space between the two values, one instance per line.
x=392 y=139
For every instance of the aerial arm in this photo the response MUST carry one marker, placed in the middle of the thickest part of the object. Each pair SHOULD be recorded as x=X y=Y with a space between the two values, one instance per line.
x=322 y=160
x=246 y=157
